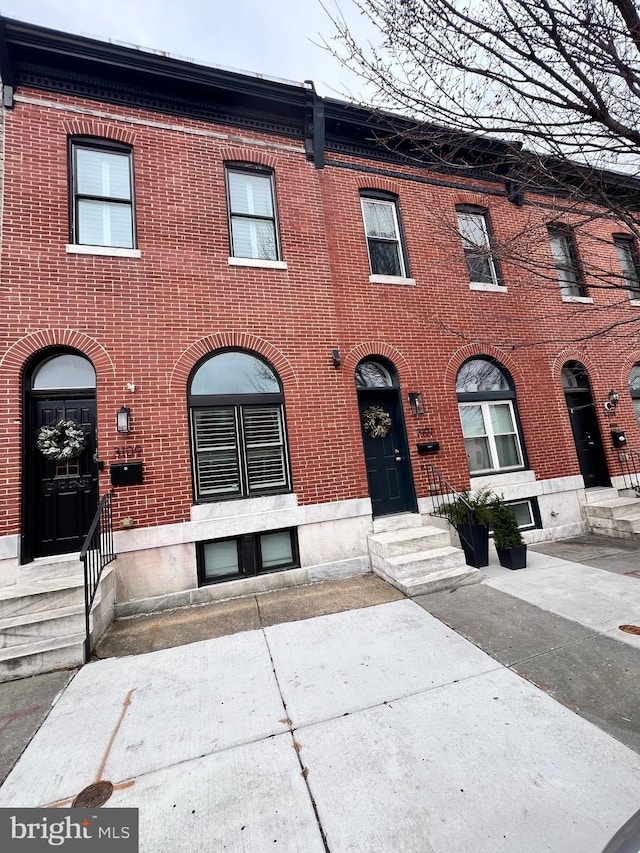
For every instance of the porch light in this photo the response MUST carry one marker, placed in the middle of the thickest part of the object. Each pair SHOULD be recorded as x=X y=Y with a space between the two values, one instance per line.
x=123 y=420
x=335 y=356
x=416 y=403
x=613 y=398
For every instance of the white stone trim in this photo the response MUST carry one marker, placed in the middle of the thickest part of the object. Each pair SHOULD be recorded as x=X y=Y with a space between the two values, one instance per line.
x=105 y=251
x=586 y=300
x=257 y=262
x=487 y=286
x=376 y=278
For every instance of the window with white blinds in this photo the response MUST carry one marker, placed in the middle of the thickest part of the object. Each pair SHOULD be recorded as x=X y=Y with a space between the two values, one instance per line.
x=102 y=206
x=239 y=437
x=252 y=217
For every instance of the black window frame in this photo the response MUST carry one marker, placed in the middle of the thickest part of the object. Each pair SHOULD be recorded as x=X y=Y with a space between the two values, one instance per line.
x=107 y=146
x=490 y=254
x=573 y=263
x=267 y=173
x=393 y=201
x=239 y=403
x=249 y=556
x=626 y=243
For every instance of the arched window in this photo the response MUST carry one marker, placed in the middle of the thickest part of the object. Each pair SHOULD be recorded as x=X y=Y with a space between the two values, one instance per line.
x=486 y=400
x=238 y=428
x=63 y=371
x=634 y=388
x=374 y=374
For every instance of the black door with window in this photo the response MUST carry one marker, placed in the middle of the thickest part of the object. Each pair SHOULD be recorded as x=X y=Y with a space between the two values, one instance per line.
x=389 y=471
x=63 y=494
x=586 y=434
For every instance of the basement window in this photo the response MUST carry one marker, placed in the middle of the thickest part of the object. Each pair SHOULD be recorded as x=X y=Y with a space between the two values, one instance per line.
x=247 y=556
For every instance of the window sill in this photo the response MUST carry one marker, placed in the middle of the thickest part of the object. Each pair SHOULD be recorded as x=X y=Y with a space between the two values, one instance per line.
x=258 y=262
x=391 y=279
x=106 y=251
x=586 y=300
x=488 y=287
x=635 y=302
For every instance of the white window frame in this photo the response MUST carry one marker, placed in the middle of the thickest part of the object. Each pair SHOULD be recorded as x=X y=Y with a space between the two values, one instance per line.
x=568 y=264
x=266 y=175
x=489 y=434
x=628 y=260
x=108 y=149
x=485 y=249
x=365 y=198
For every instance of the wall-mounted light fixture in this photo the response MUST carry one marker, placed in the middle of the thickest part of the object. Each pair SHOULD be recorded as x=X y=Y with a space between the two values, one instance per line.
x=613 y=398
x=416 y=403
x=335 y=357
x=123 y=420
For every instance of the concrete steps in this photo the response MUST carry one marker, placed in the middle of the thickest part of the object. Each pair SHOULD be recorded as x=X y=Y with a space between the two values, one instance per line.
x=614 y=516
x=42 y=621
x=417 y=558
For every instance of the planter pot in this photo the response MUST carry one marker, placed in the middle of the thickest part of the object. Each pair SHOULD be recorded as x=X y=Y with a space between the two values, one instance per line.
x=513 y=558
x=474 y=539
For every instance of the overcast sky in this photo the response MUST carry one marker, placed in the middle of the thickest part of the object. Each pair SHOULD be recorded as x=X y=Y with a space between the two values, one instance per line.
x=271 y=37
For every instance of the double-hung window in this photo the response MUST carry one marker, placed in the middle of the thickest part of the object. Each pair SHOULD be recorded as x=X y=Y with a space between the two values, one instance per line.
x=238 y=428
x=102 y=211
x=565 y=259
x=252 y=213
x=382 y=230
x=628 y=257
x=473 y=226
x=486 y=401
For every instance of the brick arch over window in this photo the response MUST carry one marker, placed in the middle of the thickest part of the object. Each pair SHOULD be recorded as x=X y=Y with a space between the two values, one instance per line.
x=475 y=350
x=379 y=184
x=373 y=348
x=100 y=130
x=229 y=340
x=21 y=351
x=473 y=199
x=574 y=354
x=249 y=156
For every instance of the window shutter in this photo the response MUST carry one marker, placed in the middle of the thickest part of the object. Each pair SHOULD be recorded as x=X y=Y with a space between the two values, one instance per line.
x=264 y=446
x=216 y=451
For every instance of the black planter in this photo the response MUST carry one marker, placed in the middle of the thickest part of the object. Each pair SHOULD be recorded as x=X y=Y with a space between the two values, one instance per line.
x=513 y=558
x=474 y=539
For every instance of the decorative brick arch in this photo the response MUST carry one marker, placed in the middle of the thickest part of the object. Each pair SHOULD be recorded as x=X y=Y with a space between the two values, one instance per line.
x=229 y=340
x=476 y=350
x=100 y=129
x=575 y=354
x=21 y=351
x=474 y=199
x=377 y=182
x=238 y=154
x=373 y=348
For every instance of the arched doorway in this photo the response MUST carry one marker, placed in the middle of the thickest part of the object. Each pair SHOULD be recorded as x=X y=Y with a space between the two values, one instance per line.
x=60 y=495
x=384 y=438
x=584 y=423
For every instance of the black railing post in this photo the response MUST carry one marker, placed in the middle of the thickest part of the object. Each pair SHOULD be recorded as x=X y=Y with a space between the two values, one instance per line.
x=443 y=495
x=97 y=552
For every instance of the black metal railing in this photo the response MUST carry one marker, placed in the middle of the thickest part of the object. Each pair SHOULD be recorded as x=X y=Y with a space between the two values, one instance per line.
x=453 y=506
x=630 y=465
x=97 y=552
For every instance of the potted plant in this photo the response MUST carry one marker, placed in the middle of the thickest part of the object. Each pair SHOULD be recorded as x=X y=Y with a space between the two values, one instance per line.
x=512 y=551
x=471 y=517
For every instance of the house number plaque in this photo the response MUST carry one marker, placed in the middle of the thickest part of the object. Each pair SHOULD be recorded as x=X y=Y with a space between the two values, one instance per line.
x=127 y=451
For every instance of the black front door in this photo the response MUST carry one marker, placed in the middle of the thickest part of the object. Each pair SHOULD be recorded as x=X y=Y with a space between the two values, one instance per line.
x=63 y=496
x=389 y=471
x=586 y=434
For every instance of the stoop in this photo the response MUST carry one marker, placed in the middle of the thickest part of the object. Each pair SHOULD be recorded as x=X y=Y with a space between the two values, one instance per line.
x=417 y=558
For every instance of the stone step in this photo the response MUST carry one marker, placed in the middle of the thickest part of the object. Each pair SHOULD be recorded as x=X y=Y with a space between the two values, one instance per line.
x=32 y=627
x=47 y=570
x=40 y=597
x=436 y=581
x=434 y=559
x=397 y=542
x=600 y=493
x=627 y=527
x=401 y=521
x=617 y=508
x=41 y=656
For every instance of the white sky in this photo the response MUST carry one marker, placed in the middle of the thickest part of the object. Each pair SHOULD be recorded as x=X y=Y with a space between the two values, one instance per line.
x=270 y=37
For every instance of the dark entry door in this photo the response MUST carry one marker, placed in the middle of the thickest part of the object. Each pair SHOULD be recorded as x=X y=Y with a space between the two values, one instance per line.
x=586 y=434
x=64 y=495
x=389 y=471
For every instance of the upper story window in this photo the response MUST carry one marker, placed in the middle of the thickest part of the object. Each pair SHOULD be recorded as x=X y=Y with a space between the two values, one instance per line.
x=238 y=428
x=565 y=259
x=102 y=194
x=628 y=257
x=382 y=229
x=486 y=401
x=473 y=225
x=252 y=213
x=634 y=388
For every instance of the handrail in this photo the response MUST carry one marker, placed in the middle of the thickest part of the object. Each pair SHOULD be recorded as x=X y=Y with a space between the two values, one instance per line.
x=630 y=465
x=97 y=552
x=451 y=505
